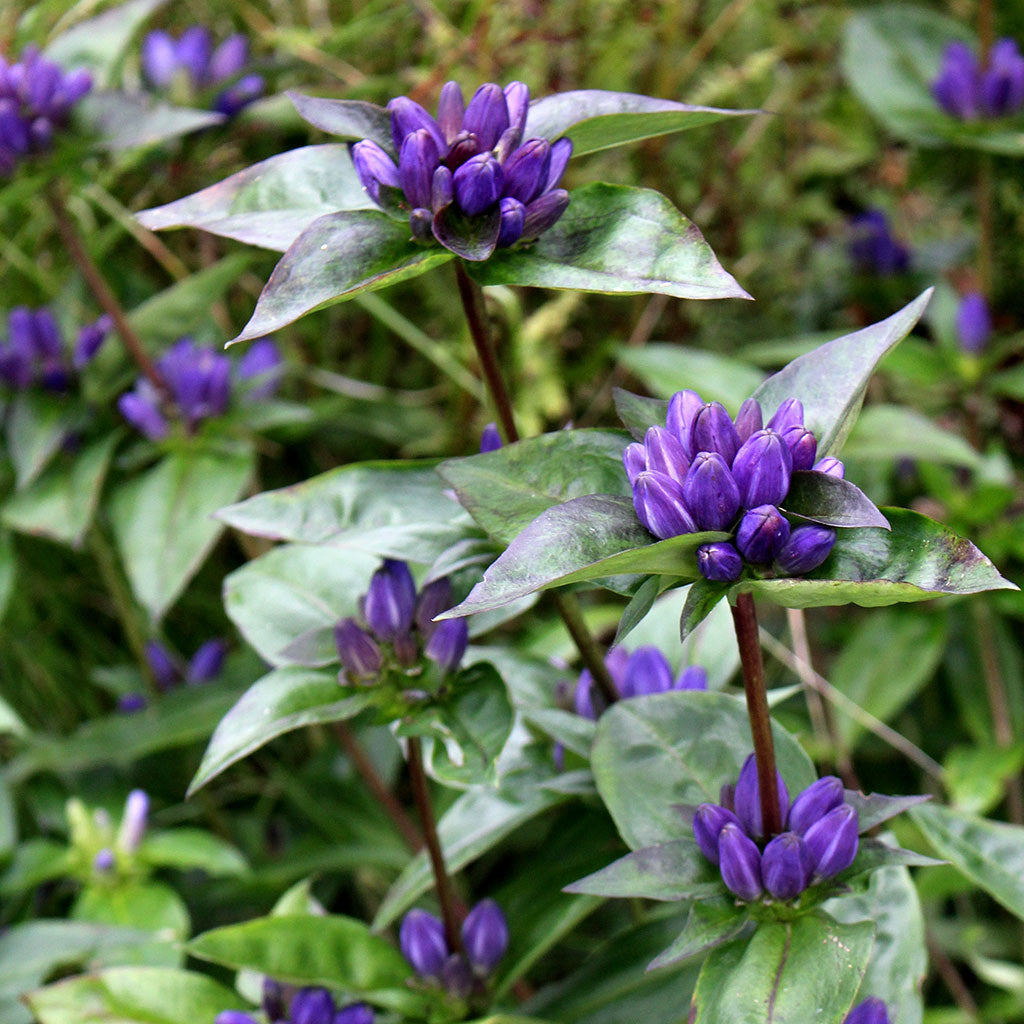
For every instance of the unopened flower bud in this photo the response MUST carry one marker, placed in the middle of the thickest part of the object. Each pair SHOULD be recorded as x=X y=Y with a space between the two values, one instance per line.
x=719 y=562
x=134 y=820
x=457 y=977
x=354 y=1013
x=485 y=936
x=421 y=938
x=478 y=184
x=665 y=453
x=830 y=465
x=762 y=469
x=647 y=671
x=390 y=600
x=803 y=446
x=871 y=1011
x=708 y=822
x=526 y=170
x=312 y=1006
x=450 y=110
x=973 y=323
x=713 y=430
x=710 y=492
x=421 y=224
x=517 y=100
x=374 y=168
x=417 y=162
x=1002 y=83
x=748 y=419
x=833 y=841
x=748 y=798
x=357 y=650
x=490 y=439
x=693 y=677
x=208 y=661
x=162 y=665
x=561 y=151
x=789 y=414
x=408 y=116
x=447 y=644
x=806 y=549
x=815 y=802
x=434 y=598
x=544 y=211
x=634 y=458
x=272 y=999
x=233 y=1017
x=103 y=862
x=740 y=862
x=513 y=220
x=90 y=339
x=660 y=506
x=486 y=115
x=762 y=533
x=786 y=866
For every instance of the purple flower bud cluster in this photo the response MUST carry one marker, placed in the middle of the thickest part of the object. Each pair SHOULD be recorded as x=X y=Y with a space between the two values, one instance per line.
x=473 y=158
x=286 y=1005
x=396 y=618
x=484 y=941
x=873 y=248
x=168 y=672
x=871 y=1011
x=820 y=838
x=968 y=91
x=34 y=354
x=193 y=58
x=705 y=471
x=36 y=97
x=199 y=385
x=973 y=323
x=643 y=672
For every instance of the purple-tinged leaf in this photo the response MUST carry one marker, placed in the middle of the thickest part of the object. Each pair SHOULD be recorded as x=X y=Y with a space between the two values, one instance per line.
x=874 y=808
x=472 y=238
x=831 y=501
x=348 y=119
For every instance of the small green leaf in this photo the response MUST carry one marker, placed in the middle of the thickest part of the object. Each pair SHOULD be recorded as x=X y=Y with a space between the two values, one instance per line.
x=827 y=499
x=701 y=600
x=8 y=575
x=638 y=413
x=874 y=808
x=190 y=848
x=122 y=120
x=348 y=119
x=36 y=427
x=639 y=605
x=152 y=906
x=710 y=923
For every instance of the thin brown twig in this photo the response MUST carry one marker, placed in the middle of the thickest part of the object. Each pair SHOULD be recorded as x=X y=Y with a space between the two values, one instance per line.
x=952 y=979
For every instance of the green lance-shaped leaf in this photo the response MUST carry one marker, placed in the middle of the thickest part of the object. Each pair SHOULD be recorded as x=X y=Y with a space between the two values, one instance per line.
x=617 y=239
x=595 y=119
x=709 y=924
x=826 y=499
x=121 y=120
x=785 y=973
x=270 y=203
x=192 y=848
x=336 y=257
x=348 y=119
x=916 y=560
x=35 y=427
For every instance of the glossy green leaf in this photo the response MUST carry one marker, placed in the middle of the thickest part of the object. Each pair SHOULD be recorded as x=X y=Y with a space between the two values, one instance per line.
x=163 y=520
x=149 y=905
x=348 y=119
x=785 y=973
x=122 y=120
x=336 y=257
x=596 y=119
x=652 y=754
x=35 y=427
x=874 y=808
x=614 y=238
x=710 y=924
x=270 y=203
x=471 y=238
x=284 y=700
x=192 y=848
x=701 y=599
x=827 y=499
x=638 y=412
x=639 y=606
x=892 y=432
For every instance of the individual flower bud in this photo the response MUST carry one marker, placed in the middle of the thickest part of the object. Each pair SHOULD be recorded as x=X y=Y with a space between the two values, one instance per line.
x=421 y=939
x=417 y=162
x=233 y=1017
x=561 y=151
x=786 y=866
x=46 y=335
x=871 y=1011
x=490 y=438
x=762 y=469
x=478 y=184
x=312 y=1006
x=513 y=218
x=486 y=116
x=517 y=100
x=634 y=458
x=262 y=367
x=358 y=652
x=194 y=51
x=390 y=600
x=207 y=662
x=1002 y=83
x=544 y=212
x=526 y=170
x=272 y=999
x=103 y=862
x=740 y=862
x=434 y=598
x=442 y=189
x=748 y=419
x=421 y=224
x=407 y=650
x=748 y=798
x=159 y=58
x=583 y=696
x=450 y=110
x=457 y=977
x=238 y=96
x=485 y=936
x=803 y=446
x=132 y=702
x=832 y=841
x=665 y=454
x=134 y=820
x=789 y=414
x=354 y=1013
x=229 y=58
x=647 y=671
x=957 y=89
x=973 y=323
x=806 y=549
x=693 y=677
x=162 y=665
x=708 y=822
x=710 y=492
x=719 y=562
x=90 y=339
x=713 y=430
x=762 y=533
x=815 y=802
x=407 y=116
x=140 y=409
x=830 y=465
x=659 y=505
x=507 y=145
x=465 y=145
x=447 y=644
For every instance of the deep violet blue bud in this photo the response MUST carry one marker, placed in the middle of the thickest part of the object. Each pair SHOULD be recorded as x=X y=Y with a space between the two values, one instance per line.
x=713 y=430
x=762 y=533
x=478 y=184
x=76 y=84
x=708 y=822
x=833 y=841
x=517 y=100
x=544 y=212
x=1002 y=82
x=830 y=465
x=806 y=549
x=616 y=661
x=408 y=116
x=526 y=170
x=358 y=652
x=466 y=145
x=354 y=1013
x=141 y=409
x=434 y=598
x=485 y=936
x=421 y=939
x=486 y=115
x=513 y=220
x=762 y=469
x=103 y=862
x=973 y=322
x=15 y=136
x=634 y=458
x=133 y=821
x=239 y=95
x=507 y=145
x=132 y=702
x=417 y=162
x=719 y=562
x=46 y=335
x=162 y=665
x=710 y=492
x=390 y=600
x=447 y=644
x=749 y=419
x=957 y=89
x=660 y=506
x=207 y=662
x=159 y=58
x=442 y=189
x=786 y=866
x=233 y=1017
x=561 y=151
x=815 y=802
x=647 y=671
x=312 y=1006
x=740 y=862
x=665 y=454
x=374 y=168
x=790 y=413
x=871 y=1011
x=683 y=407
x=421 y=224
x=229 y=58
x=748 y=798
x=803 y=447
x=272 y=999
x=90 y=339
x=450 y=110
x=490 y=438
x=693 y=677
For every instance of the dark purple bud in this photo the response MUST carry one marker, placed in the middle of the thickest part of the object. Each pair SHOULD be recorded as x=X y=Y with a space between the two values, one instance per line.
x=162 y=665
x=710 y=492
x=132 y=702
x=957 y=89
x=490 y=439
x=683 y=407
x=1002 y=83
x=390 y=600
x=207 y=662
x=561 y=151
x=973 y=322
x=421 y=225
x=238 y=96
x=159 y=58
x=762 y=469
x=789 y=414
x=103 y=862
x=507 y=145
x=46 y=335
x=407 y=650
x=660 y=506
x=647 y=671
x=544 y=212
x=354 y=1013
x=830 y=465
x=583 y=696
x=14 y=131
x=442 y=189
x=466 y=145
x=871 y=1011
x=233 y=1017
x=90 y=338
x=42 y=81
x=194 y=50
x=358 y=652
x=140 y=409
x=693 y=677
x=833 y=841
x=457 y=977
x=786 y=866
x=806 y=549
x=312 y=1006
x=478 y=184
x=665 y=454
x=513 y=219
x=748 y=798
x=719 y=562
x=54 y=376
x=272 y=999
x=740 y=862
x=748 y=419
x=803 y=447
x=76 y=85
x=708 y=822
x=517 y=100
x=526 y=171
x=450 y=110
x=447 y=644
x=375 y=168
x=762 y=533
x=815 y=802
x=486 y=115
x=416 y=165
x=713 y=430
x=485 y=936
x=421 y=939
x=434 y=598
x=408 y=116
x=727 y=796
x=634 y=458
x=134 y=820
x=229 y=58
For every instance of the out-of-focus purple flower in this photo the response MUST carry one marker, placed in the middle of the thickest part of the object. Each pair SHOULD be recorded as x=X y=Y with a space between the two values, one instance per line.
x=312 y=1006
x=421 y=939
x=967 y=91
x=973 y=323
x=90 y=339
x=871 y=1011
x=354 y=1013
x=233 y=1017
x=260 y=369
x=1002 y=83
x=490 y=439
x=693 y=677
x=103 y=862
x=134 y=821
x=390 y=600
x=141 y=408
x=485 y=936
x=358 y=651
x=957 y=89
x=272 y=999
x=132 y=702
x=207 y=662
x=447 y=644
x=806 y=549
x=162 y=664
x=873 y=247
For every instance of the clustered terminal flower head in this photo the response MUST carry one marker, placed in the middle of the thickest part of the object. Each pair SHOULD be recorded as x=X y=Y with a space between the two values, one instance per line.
x=969 y=91
x=192 y=58
x=871 y=1011
x=873 y=248
x=36 y=98
x=643 y=672
x=397 y=620
x=820 y=838
x=472 y=160
x=34 y=354
x=484 y=939
x=705 y=471
x=287 y=1005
